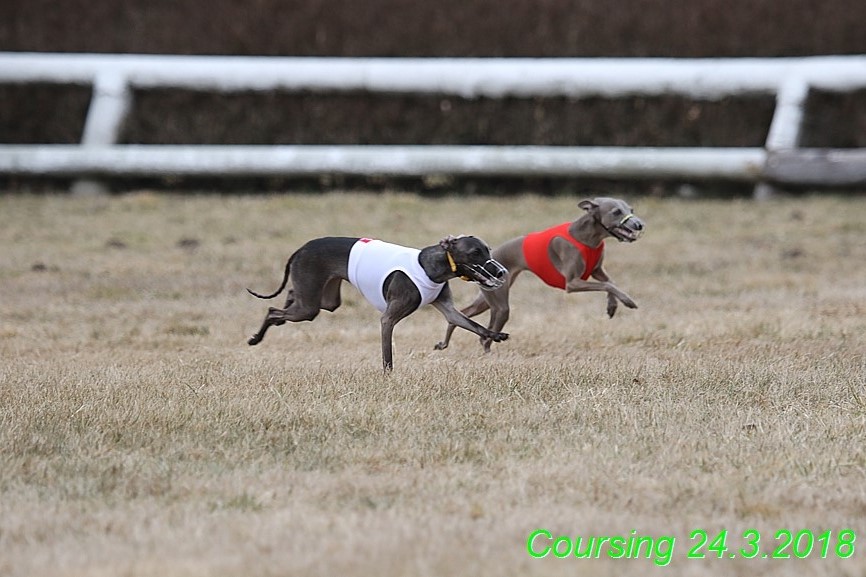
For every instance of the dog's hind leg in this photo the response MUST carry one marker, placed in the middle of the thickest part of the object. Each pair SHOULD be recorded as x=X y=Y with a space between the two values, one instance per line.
x=296 y=312
x=266 y=324
x=290 y=298
x=500 y=311
x=443 y=344
x=331 y=300
x=302 y=305
x=444 y=305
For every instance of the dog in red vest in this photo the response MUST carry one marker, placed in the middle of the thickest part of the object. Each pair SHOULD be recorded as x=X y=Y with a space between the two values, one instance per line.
x=563 y=256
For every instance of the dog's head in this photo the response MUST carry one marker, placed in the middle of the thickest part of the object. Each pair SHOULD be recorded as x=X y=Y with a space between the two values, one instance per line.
x=469 y=258
x=615 y=216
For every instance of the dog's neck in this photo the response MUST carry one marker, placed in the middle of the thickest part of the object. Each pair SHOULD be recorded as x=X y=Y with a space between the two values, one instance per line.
x=435 y=263
x=588 y=230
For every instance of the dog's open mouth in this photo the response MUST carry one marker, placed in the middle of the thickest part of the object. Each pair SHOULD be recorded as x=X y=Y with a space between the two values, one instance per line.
x=489 y=276
x=626 y=234
x=628 y=229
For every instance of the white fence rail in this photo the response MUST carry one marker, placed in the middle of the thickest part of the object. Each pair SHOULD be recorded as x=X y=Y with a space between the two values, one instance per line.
x=114 y=77
x=725 y=163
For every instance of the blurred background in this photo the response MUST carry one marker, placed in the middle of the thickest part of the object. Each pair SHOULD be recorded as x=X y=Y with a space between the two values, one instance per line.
x=55 y=114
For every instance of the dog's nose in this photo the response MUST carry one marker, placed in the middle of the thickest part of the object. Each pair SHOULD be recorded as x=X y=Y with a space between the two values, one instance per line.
x=638 y=224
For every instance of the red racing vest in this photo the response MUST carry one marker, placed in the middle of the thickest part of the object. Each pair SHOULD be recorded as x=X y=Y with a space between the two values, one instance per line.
x=538 y=260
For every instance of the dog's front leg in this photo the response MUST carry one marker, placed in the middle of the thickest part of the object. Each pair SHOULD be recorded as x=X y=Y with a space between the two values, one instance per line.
x=387 y=343
x=570 y=264
x=478 y=306
x=403 y=299
x=390 y=318
x=445 y=305
x=612 y=305
x=600 y=275
x=576 y=285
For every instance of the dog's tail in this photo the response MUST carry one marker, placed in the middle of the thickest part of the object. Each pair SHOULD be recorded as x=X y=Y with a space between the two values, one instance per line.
x=282 y=286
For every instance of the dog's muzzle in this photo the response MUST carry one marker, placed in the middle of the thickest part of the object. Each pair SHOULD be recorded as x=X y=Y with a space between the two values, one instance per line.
x=489 y=276
x=629 y=229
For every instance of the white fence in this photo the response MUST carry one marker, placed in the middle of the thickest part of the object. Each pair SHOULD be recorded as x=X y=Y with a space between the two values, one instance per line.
x=114 y=77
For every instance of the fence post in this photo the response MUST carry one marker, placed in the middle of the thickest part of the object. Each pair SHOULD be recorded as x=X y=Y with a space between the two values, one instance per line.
x=784 y=133
x=109 y=105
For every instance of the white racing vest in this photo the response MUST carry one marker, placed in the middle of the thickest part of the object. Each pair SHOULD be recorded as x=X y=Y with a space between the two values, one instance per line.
x=371 y=261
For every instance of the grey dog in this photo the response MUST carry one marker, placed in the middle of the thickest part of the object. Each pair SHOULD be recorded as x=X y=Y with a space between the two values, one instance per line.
x=395 y=279
x=564 y=257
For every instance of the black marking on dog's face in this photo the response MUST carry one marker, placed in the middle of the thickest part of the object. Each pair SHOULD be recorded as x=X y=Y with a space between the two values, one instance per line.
x=472 y=257
x=616 y=216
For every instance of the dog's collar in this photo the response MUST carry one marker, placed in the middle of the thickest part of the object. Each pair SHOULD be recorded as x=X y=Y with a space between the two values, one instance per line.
x=453 y=265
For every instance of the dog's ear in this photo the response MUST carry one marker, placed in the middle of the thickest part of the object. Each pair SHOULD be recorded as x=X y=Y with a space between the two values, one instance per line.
x=448 y=242
x=588 y=204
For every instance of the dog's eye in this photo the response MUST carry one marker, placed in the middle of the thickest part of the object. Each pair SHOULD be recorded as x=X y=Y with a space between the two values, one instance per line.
x=616 y=212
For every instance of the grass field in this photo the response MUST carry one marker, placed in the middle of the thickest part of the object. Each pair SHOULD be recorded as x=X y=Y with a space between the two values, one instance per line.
x=141 y=436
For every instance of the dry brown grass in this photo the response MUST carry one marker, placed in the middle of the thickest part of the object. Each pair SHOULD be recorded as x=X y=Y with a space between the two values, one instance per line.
x=139 y=435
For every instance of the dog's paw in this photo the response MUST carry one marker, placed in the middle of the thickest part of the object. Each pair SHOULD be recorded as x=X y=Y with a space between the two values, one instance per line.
x=440 y=346
x=254 y=340
x=627 y=302
x=611 y=309
x=499 y=337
